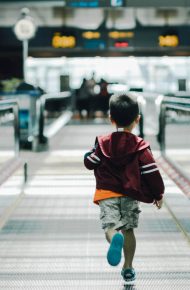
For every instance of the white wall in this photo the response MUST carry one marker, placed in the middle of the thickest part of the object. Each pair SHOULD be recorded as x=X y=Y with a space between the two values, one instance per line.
x=152 y=73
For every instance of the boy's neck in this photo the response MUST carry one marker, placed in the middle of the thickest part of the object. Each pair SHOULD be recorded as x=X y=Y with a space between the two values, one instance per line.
x=124 y=129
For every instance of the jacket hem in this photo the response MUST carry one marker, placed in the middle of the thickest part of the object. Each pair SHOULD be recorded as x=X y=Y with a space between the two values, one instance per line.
x=137 y=195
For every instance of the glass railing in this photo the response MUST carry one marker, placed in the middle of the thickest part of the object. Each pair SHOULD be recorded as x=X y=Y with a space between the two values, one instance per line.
x=13 y=170
x=174 y=133
x=52 y=112
x=39 y=118
x=9 y=130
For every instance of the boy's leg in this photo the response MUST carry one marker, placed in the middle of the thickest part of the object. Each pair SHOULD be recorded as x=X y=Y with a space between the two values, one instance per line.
x=130 y=214
x=109 y=234
x=116 y=241
x=129 y=248
x=110 y=217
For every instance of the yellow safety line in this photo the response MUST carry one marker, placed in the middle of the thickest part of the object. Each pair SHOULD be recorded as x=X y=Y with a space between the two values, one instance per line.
x=180 y=227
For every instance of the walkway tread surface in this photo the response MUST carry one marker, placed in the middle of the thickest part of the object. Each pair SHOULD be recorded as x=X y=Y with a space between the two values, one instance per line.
x=53 y=239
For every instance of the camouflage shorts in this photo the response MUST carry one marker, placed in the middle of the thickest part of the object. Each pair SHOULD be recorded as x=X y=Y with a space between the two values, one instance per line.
x=119 y=213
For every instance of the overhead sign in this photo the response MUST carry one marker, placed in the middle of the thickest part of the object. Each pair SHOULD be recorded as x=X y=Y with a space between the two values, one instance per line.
x=153 y=40
x=95 y=3
x=117 y=3
x=168 y=40
x=91 y=34
x=121 y=44
x=83 y=3
x=121 y=34
x=97 y=44
x=63 y=41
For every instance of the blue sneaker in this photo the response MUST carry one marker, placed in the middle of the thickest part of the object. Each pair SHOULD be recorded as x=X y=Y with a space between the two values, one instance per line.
x=128 y=275
x=115 y=249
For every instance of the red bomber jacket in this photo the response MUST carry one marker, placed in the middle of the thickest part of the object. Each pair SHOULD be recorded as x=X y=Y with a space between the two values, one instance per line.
x=123 y=163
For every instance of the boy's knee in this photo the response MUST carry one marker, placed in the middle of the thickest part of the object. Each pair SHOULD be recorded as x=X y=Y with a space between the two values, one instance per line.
x=109 y=233
x=129 y=231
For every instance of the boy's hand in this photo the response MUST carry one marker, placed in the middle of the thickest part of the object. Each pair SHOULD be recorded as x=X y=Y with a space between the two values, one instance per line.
x=158 y=203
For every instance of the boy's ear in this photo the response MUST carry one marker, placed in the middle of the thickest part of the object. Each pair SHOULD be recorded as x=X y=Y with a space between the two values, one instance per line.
x=138 y=119
x=111 y=120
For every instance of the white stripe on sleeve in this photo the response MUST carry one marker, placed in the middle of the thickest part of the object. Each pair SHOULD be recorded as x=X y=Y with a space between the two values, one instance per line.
x=96 y=157
x=148 y=165
x=149 y=171
x=93 y=161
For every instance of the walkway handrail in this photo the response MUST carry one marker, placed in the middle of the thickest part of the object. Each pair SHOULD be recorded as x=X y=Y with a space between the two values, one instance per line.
x=176 y=103
x=5 y=106
x=173 y=101
x=10 y=166
x=40 y=110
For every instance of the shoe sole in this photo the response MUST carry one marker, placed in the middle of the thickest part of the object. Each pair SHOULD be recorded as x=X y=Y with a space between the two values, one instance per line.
x=115 y=249
x=129 y=282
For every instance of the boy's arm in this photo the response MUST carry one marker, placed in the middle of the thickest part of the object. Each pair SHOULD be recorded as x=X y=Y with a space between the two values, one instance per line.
x=151 y=174
x=92 y=158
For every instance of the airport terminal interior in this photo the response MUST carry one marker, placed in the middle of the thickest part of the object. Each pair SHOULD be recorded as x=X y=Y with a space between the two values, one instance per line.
x=60 y=62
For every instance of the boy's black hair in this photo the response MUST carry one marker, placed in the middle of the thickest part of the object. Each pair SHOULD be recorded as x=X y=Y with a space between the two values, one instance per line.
x=124 y=109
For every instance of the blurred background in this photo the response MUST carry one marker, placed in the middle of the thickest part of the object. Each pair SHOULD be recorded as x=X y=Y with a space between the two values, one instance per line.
x=60 y=61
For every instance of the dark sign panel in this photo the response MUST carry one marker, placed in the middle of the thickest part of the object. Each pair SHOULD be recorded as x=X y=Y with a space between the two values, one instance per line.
x=83 y=3
x=94 y=3
x=73 y=39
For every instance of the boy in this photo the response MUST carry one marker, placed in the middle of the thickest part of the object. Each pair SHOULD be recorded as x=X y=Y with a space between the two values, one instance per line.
x=125 y=173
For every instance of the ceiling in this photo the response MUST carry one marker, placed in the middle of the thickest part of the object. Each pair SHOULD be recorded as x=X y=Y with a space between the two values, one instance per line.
x=89 y=18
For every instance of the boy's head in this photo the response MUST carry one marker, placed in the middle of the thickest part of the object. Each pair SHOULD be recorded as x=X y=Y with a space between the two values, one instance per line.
x=124 y=109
